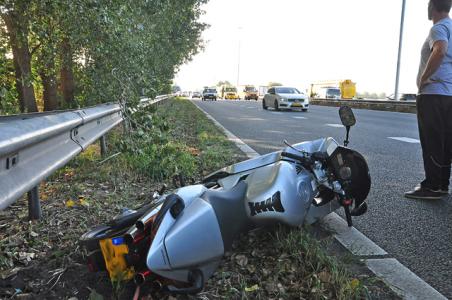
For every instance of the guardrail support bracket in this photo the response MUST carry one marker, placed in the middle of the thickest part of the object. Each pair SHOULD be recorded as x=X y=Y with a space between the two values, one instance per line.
x=103 y=146
x=34 y=206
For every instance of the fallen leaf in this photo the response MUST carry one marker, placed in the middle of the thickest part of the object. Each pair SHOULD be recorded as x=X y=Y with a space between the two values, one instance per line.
x=252 y=288
x=9 y=273
x=354 y=283
x=24 y=256
x=70 y=203
x=325 y=277
x=251 y=268
x=241 y=260
x=83 y=202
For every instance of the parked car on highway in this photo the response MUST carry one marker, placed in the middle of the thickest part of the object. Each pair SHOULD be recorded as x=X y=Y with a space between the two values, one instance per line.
x=403 y=97
x=196 y=95
x=282 y=97
x=209 y=93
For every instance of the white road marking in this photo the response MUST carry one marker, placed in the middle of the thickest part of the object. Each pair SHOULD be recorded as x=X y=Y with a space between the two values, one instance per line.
x=249 y=152
x=253 y=119
x=276 y=113
x=401 y=280
x=335 y=125
x=301 y=118
x=251 y=107
x=405 y=139
x=350 y=237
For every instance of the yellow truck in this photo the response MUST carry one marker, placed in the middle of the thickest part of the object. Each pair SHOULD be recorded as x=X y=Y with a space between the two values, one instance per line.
x=229 y=92
x=248 y=92
x=333 y=89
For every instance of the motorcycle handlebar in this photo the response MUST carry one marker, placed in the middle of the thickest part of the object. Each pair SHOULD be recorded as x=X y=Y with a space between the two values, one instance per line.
x=303 y=160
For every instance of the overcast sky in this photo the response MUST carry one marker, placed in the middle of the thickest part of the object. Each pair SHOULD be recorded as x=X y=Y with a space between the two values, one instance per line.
x=297 y=42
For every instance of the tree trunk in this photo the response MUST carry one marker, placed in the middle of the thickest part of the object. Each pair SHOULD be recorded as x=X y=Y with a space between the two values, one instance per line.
x=18 y=35
x=18 y=82
x=49 y=84
x=66 y=73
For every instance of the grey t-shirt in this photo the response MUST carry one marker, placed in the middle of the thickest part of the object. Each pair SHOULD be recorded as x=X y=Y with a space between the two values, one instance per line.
x=442 y=78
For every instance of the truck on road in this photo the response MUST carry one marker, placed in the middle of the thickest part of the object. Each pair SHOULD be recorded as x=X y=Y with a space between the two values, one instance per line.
x=333 y=89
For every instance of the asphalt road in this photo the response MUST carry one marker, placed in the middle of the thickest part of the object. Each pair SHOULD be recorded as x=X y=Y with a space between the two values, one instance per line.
x=417 y=233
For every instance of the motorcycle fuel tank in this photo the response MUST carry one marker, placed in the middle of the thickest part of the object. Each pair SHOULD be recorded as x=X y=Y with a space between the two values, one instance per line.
x=279 y=192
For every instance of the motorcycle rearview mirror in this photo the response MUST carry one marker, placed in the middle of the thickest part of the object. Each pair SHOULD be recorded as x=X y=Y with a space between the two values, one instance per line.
x=347 y=119
x=347 y=116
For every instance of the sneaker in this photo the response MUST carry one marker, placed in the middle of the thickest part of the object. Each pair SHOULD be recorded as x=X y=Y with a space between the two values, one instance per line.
x=444 y=190
x=424 y=193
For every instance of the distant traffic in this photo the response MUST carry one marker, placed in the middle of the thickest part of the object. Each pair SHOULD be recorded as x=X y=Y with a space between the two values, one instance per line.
x=327 y=89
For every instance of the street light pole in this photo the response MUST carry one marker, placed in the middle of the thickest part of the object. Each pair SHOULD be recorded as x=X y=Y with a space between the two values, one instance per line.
x=238 y=59
x=402 y=20
x=238 y=67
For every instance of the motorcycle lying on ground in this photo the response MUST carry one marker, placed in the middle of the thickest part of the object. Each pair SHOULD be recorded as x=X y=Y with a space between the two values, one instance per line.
x=178 y=240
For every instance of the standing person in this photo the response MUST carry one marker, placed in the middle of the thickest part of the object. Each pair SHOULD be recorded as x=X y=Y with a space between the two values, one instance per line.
x=434 y=104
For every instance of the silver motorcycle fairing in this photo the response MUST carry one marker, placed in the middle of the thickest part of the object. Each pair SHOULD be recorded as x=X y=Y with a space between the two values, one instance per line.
x=190 y=192
x=191 y=241
x=276 y=193
x=316 y=213
x=327 y=145
x=244 y=166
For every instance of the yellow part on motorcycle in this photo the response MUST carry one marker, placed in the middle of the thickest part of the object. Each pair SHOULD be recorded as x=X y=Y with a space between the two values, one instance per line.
x=114 y=251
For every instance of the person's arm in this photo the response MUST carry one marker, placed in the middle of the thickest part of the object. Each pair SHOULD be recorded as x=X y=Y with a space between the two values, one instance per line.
x=439 y=50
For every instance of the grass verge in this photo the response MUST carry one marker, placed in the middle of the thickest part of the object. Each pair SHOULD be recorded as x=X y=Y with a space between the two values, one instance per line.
x=42 y=260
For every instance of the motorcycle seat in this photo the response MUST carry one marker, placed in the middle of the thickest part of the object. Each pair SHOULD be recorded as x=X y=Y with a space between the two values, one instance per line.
x=229 y=207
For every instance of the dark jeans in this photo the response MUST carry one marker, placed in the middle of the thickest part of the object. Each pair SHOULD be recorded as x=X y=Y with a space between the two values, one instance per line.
x=434 y=114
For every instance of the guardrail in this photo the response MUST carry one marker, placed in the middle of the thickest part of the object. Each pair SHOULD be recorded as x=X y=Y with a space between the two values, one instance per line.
x=385 y=105
x=33 y=146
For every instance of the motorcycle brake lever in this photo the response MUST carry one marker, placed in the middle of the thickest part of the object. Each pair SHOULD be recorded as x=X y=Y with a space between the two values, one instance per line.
x=293 y=148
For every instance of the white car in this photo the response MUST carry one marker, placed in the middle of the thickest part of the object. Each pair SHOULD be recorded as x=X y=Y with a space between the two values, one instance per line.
x=282 y=97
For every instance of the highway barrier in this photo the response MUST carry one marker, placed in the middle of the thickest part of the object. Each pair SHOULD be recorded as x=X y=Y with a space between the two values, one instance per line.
x=33 y=146
x=384 y=105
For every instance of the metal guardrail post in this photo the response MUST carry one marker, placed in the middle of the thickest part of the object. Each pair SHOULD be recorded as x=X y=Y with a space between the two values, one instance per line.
x=103 y=146
x=34 y=206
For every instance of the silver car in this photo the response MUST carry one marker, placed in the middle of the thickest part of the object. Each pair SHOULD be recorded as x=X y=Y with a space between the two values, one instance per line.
x=283 y=97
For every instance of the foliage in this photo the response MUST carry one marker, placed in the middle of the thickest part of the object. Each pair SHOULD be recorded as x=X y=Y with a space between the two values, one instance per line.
x=91 y=51
x=8 y=94
x=367 y=95
x=175 y=140
x=225 y=82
